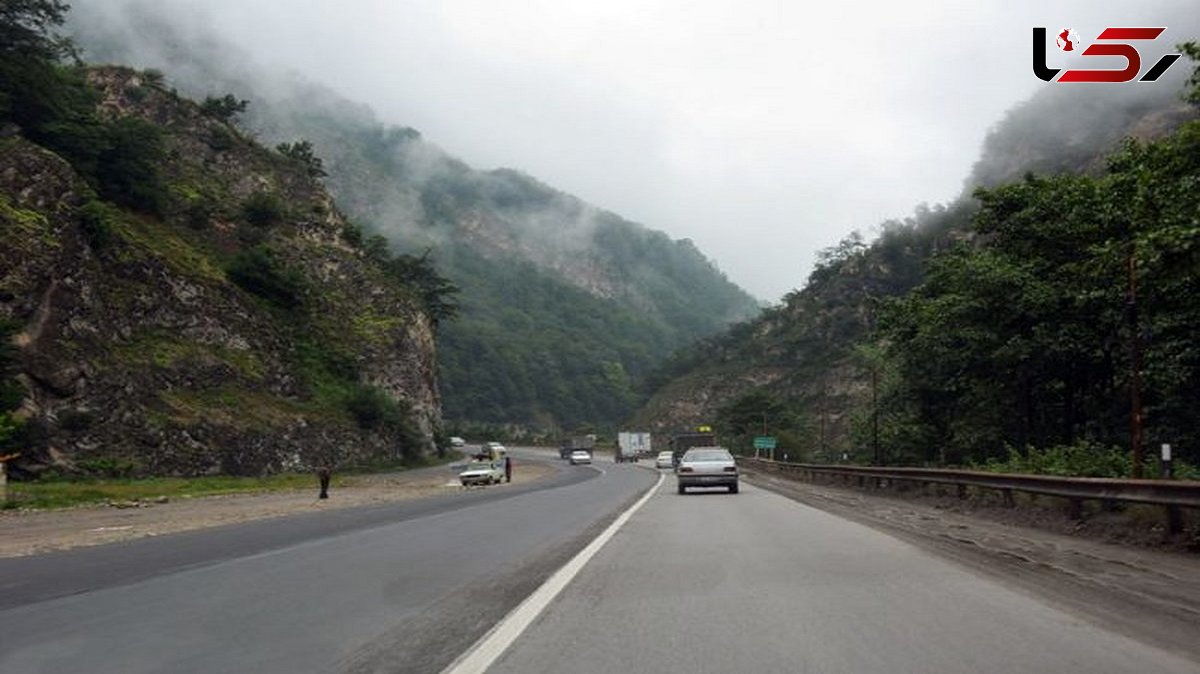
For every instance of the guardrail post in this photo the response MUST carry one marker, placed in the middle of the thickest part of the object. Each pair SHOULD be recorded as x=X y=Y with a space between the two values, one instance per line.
x=1008 y=498
x=962 y=491
x=1174 y=520
x=1075 y=508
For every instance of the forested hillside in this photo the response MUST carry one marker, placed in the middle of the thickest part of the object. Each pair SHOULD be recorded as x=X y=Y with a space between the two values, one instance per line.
x=1002 y=327
x=178 y=299
x=564 y=308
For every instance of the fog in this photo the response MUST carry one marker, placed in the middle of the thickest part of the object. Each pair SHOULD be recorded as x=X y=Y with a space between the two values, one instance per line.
x=762 y=130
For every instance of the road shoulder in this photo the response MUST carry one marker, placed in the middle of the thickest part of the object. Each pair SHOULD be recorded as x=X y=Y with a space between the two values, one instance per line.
x=35 y=532
x=1150 y=595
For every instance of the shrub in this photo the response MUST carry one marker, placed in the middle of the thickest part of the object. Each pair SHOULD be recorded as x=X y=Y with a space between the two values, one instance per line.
x=127 y=172
x=258 y=271
x=263 y=209
x=96 y=220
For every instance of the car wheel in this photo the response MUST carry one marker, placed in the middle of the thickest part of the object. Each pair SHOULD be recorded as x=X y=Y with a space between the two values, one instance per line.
x=682 y=489
x=733 y=489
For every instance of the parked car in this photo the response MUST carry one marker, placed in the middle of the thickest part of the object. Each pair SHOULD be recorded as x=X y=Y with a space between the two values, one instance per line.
x=482 y=472
x=664 y=460
x=707 y=467
x=456 y=441
x=580 y=456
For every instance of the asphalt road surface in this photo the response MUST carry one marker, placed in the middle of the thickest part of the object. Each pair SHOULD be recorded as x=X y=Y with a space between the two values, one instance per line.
x=405 y=587
x=711 y=582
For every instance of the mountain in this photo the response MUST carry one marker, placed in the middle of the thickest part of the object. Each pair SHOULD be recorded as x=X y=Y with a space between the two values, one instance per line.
x=808 y=370
x=564 y=308
x=177 y=299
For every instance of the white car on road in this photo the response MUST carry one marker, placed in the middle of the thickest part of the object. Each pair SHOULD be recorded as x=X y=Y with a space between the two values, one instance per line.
x=664 y=460
x=580 y=456
x=482 y=472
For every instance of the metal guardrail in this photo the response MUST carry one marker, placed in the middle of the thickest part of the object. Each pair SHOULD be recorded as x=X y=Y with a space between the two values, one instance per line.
x=1173 y=494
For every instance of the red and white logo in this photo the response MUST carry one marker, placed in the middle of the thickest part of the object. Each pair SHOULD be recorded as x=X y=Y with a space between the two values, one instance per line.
x=1067 y=39
x=1110 y=42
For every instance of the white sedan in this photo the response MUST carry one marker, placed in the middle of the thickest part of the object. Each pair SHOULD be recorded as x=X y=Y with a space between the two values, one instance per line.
x=664 y=460
x=580 y=456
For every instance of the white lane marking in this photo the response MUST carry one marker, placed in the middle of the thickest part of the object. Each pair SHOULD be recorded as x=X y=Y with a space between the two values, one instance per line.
x=492 y=645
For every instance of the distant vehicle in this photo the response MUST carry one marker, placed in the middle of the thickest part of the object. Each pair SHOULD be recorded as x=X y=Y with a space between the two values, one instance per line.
x=707 y=467
x=456 y=441
x=495 y=447
x=664 y=460
x=580 y=456
x=585 y=442
x=685 y=441
x=632 y=445
x=482 y=472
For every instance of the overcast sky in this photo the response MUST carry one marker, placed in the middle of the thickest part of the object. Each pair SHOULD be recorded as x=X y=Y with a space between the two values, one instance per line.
x=763 y=130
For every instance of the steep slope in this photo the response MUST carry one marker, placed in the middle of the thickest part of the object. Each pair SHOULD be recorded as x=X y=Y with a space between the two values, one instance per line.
x=565 y=307
x=808 y=356
x=219 y=321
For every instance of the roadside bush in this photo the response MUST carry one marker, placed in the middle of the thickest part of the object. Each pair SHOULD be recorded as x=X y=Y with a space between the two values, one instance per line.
x=1081 y=459
x=109 y=467
x=375 y=410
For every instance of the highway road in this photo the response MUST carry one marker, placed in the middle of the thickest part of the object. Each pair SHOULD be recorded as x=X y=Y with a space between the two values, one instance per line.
x=405 y=587
x=754 y=582
x=706 y=582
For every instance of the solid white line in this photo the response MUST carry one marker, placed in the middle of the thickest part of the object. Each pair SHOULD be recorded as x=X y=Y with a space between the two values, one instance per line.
x=488 y=649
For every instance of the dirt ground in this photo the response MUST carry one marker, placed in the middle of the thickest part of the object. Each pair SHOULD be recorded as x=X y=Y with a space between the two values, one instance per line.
x=34 y=532
x=1151 y=593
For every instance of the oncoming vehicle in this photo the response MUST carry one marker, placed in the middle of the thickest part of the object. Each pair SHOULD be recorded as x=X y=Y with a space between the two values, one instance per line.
x=664 y=460
x=482 y=472
x=707 y=467
x=456 y=441
x=580 y=456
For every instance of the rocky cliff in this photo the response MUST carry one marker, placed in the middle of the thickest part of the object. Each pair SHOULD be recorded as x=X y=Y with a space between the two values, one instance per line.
x=236 y=328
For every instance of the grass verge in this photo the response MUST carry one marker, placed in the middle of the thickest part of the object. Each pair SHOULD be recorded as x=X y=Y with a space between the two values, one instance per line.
x=55 y=494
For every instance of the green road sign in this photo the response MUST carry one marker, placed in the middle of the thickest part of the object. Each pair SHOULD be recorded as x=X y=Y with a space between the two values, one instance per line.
x=764 y=442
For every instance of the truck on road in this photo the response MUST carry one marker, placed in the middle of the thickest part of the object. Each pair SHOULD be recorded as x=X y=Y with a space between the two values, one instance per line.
x=632 y=445
x=586 y=443
x=682 y=442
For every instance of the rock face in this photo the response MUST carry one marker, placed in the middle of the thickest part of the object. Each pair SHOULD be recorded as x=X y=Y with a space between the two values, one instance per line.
x=142 y=342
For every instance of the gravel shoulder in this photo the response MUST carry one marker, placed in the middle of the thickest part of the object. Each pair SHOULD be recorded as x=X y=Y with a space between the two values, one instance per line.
x=1152 y=595
x=35 y=532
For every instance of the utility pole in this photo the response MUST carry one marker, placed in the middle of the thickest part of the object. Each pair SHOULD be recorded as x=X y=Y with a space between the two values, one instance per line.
x=1135 y=366
x=875 y=415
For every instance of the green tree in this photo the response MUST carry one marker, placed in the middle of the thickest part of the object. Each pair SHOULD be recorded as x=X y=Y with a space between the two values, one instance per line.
x=302 y=151
x=224 y=108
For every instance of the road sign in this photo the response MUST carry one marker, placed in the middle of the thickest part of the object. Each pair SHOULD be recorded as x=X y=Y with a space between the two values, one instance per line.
x=764 y=442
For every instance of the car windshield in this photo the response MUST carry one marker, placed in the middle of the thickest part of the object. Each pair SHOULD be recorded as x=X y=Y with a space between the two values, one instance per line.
x=707 y=455
x=479 y=465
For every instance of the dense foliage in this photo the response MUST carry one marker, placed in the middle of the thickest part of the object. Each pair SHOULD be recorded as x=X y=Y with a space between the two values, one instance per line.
x=1027 y=337
x=52 y=105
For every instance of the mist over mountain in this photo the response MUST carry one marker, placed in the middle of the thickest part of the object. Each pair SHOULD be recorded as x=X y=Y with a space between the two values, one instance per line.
x=565 y=307
x=804 y=369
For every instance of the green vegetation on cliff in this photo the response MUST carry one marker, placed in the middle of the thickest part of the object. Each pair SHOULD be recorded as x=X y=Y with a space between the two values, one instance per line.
x=564 y=308
x=175 y=298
